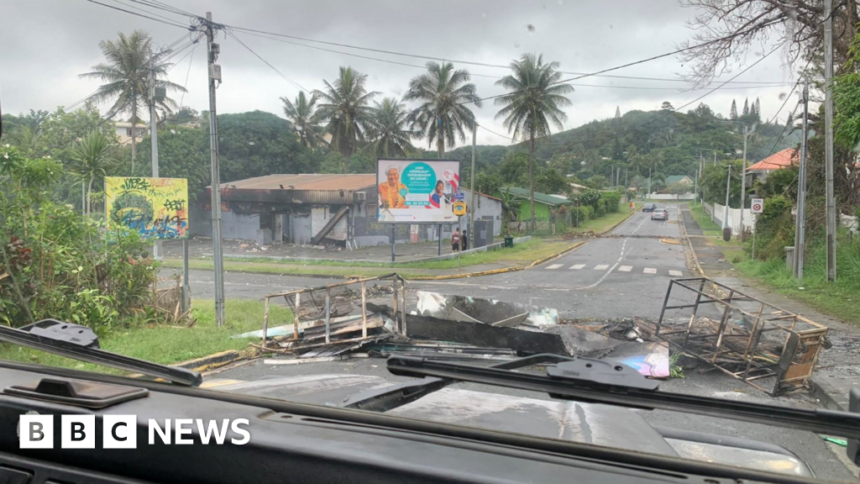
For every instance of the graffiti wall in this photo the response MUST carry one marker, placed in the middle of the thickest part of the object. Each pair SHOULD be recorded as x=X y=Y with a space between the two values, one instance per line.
x=157 y=208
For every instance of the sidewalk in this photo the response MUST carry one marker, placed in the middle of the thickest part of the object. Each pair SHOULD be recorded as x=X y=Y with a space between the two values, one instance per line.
x=838 y=369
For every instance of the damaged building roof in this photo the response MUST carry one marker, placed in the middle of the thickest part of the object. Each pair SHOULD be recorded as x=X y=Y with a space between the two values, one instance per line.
x=304 y=181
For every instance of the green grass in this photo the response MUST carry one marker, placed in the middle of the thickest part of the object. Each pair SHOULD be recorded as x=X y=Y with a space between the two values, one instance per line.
x=518 y=255
x=168 y=344
x=710 y=228
x=840 y=299
x=608 y=221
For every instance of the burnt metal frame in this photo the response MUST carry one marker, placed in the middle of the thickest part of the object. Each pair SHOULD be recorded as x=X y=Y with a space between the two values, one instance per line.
x=789 y=376
x=398 y=301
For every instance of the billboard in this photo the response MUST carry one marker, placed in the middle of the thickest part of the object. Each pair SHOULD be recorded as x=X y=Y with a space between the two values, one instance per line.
x=157 y=208
x=417 y=191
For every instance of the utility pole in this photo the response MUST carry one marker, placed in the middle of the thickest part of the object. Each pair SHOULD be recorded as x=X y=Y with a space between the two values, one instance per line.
x=830 y=213
x=698 y=174
x=649 y=183
x=215 y=76
x=153 y=137
x=728 y=186
x=472 y=187
x=747 y=133
x=800 y=226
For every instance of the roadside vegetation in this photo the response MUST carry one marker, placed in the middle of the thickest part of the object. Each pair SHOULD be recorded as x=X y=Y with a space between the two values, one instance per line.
x=169 y=344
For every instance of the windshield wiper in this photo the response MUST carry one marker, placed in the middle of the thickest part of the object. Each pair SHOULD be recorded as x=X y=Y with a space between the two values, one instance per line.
x=79 y=343
x=599 y=381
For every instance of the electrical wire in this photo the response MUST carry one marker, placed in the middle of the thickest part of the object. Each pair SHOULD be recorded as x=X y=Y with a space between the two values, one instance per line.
x=497 y=134
x=166 y=8
x=287 y=78
x=187 y=74
x=173 y=24
x=146 y=11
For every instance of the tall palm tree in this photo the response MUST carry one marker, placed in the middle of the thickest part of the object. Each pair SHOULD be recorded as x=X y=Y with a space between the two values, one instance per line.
x=345 y=108
x=389 y=135
x=442 y=116
x=92 y=157
x=533 y=106
x=130 y=61
x=302 y=114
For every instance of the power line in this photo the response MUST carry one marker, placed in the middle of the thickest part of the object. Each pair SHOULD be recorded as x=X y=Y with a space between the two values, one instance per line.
x=166 y=8
x=141 y=15
x=146 y=11
x=483 y=64
x=294 y=83
x=497 y=134
x=187 y=74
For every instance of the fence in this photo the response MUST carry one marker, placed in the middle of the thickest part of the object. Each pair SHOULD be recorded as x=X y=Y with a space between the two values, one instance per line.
x=717 y=213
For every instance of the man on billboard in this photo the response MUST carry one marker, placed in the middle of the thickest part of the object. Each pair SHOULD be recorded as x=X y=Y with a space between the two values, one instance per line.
x=392 y=193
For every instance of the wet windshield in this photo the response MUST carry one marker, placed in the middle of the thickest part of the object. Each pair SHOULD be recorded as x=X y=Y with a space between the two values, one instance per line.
x=669 y=187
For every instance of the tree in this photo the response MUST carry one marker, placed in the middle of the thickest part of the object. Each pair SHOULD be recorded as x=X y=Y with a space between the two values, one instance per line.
x=597 y=182
x=183 y=115
x=388 y=132
x=758 y=108
x=746 y=111
x=726 y=31
x=442 y=115
x=130 y=61
x=93 y=157
x=617 y=112
x=551 y=181
x=345 y=108
x=533 y=106
x=733 y=113
x=304 y=118
x=667 y=106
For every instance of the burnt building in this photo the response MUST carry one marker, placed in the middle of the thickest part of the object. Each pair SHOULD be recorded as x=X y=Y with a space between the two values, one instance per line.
x=318 y=209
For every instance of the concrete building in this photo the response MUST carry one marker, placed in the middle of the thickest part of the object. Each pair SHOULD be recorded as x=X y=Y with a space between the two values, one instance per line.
x=321 y=209
x=124 y=131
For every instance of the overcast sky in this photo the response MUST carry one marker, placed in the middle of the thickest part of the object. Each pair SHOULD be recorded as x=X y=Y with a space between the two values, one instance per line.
x=45 y=44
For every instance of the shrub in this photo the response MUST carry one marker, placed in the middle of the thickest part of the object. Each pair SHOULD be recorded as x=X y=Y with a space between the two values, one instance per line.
x=612 y=201
x=589 y=211
x=774 y=229
x=599 y=212
x=590 y=198
x=578 y=216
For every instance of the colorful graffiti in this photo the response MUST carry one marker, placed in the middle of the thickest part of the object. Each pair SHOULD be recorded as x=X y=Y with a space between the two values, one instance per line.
x=157 y=208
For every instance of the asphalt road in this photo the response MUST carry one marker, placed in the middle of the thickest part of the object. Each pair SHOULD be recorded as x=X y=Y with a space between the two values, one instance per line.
x=605 y=278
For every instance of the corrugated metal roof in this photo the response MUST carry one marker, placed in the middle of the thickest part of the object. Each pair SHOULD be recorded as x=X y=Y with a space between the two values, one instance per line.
x=539 y=197
x=305 y=181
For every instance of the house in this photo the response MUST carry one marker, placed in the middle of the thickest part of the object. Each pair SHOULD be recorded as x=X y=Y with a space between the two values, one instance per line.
x=679 y=179
x=777 y=161
x=124 y=130
x=577 y=188
x=544 y=204
x=319 y=209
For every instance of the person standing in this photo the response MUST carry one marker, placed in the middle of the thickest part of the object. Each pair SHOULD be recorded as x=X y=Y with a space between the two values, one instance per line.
x=455 y=240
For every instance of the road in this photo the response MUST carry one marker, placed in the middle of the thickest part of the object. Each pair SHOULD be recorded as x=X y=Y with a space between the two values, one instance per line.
x=623 y=276
x=605 y=278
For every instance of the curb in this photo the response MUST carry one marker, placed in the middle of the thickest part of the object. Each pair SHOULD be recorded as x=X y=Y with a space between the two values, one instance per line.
x=211 y=362
x=565 y=251
x=610 y=229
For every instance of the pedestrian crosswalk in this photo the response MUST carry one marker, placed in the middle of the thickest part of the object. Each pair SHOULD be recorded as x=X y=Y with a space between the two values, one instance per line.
x=620 y=268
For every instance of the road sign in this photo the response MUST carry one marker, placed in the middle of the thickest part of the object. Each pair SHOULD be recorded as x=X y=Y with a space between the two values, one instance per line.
x=459 y=208
x=459 y=196
x=757 y=205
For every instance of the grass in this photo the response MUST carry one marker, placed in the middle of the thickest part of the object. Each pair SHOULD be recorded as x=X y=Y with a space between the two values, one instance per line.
x=602 y=224
x=520 y=254
x=168 y=344
x=840 y=299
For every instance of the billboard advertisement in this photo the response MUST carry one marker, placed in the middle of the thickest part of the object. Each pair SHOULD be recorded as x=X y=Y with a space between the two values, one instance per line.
x=417 y=191
x=156 y=208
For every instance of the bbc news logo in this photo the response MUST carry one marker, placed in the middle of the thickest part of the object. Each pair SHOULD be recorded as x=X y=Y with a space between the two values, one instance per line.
x=120 y=431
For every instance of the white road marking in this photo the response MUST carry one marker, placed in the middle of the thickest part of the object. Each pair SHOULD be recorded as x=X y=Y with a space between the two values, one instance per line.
x=650 y=270
x=601 y=267
x=577 y=267
x=554 y=266
x=620 y=257
x=676 y=273
x=625 y=268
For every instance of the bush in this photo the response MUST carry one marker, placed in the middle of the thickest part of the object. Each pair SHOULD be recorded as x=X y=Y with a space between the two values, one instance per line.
x=59 y=263
x=589 y=211
x=774 y=229
x=612 y=201
x=578 y=216
x=599 y=212
x=590 y=198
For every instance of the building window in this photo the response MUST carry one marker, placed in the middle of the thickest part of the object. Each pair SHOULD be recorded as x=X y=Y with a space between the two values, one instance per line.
x=128 y=131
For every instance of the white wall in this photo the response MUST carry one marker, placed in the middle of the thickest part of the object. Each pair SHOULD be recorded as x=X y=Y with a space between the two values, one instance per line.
x=718 y=212
x=669 y=196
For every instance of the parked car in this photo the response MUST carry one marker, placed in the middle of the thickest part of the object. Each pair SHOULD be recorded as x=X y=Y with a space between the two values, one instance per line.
x=659 y=214
x=649 y=207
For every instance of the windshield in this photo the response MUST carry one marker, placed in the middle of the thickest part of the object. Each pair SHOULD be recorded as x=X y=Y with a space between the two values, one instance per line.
x=465 y=182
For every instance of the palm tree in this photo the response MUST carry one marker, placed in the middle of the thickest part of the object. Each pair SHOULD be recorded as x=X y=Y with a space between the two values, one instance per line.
x=302 y=114
x=442 y=116
x=533 y=105
x=345 y=109
x=130 y=61
x=92 y=157
x=388 y=132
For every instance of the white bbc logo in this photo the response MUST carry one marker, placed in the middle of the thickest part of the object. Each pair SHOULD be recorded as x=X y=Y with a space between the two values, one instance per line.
x=77 y=432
